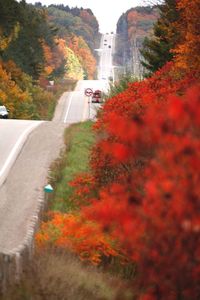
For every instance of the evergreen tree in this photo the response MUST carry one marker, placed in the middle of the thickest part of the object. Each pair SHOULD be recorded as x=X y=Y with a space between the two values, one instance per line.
x=156 y=50
x=9 y=15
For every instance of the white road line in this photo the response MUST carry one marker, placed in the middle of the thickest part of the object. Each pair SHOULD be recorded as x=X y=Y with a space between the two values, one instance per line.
x=85 y=108
x=67 y=112
x=15 y=148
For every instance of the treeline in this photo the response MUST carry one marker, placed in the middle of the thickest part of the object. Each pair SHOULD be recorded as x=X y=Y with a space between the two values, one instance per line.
x=41 y=44
x=132 y=28
x=79 y=28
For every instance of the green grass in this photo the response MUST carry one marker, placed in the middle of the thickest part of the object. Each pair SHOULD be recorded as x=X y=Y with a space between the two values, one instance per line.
x=79 y=139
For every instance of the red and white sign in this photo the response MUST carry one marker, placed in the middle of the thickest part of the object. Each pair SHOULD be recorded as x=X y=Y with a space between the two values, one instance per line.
x=88 y=92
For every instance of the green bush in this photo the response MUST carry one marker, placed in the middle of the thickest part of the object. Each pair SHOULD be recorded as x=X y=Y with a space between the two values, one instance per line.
x=120 y=85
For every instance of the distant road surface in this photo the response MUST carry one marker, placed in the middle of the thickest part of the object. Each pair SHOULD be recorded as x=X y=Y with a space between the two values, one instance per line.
x=28 y=147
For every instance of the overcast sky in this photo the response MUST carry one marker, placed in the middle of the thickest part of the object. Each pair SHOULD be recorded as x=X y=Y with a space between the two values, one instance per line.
x=107 y=12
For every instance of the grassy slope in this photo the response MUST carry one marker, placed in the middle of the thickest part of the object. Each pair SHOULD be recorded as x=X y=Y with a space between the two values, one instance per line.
x=79 y=140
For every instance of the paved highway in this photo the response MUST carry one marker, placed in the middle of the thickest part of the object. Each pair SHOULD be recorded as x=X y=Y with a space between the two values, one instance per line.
x=28 y=147
x=106 y=70
x=13 y=134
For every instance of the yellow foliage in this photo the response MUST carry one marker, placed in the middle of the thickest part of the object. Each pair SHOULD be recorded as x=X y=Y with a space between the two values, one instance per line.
x=84 y=54
x=5 y=40
x=11 y=95
x=74 y=69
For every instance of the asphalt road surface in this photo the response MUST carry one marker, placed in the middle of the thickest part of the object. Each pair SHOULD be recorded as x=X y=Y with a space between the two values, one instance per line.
x=13 y=134
x=106 y=69
x=27 y=149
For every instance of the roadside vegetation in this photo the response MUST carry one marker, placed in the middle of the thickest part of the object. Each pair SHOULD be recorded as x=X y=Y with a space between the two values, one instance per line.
x=56 y=275
x=120 y=85
x=64 y=272
x=79 y=140
x=138 y=204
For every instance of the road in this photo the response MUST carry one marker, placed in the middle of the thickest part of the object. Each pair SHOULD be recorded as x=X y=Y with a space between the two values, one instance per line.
x=27 y=149
x=106 y=70
x=13 y=134
x=75 y=107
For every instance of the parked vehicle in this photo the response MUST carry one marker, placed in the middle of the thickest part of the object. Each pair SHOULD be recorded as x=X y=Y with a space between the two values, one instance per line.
x=109 y=46
x=3 y=112
x=96 y=97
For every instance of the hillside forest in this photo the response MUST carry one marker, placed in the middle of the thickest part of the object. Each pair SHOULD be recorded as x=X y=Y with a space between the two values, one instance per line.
x=133 y=27
x=41 y=50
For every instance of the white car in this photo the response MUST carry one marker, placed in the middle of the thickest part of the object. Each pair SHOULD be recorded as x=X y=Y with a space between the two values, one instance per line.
x=3 y=112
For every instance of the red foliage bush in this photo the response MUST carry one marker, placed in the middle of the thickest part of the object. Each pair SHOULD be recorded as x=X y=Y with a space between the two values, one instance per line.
x=147 y=169
x=79 y=235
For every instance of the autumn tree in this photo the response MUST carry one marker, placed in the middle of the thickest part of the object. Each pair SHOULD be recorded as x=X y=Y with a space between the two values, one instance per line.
x=145 y=171
x=187 y=51
x=26 y=50
x=73 y=66
x=83 y=237
x=83 y=52
x=35 y=101
x=13 y=96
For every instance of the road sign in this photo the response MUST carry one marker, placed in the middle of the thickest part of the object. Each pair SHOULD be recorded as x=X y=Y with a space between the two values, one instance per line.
x=88 y=92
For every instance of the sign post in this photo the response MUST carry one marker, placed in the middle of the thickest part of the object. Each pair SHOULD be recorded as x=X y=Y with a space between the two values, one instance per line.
x=88 y=93
x=48 y=190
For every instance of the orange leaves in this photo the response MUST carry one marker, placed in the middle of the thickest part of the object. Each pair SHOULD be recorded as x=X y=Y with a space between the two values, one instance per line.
x=54 y=56
x=83 y=188
x=83 y=52
x=188 y=49
x=73 y=232
x=49 y=65
x=140 y=22
x=11 y=95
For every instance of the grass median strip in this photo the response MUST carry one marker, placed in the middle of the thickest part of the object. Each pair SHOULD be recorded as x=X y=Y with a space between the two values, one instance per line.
x=79 y=139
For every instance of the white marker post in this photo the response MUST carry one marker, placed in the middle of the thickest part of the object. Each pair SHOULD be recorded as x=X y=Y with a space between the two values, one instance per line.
x=48 y=189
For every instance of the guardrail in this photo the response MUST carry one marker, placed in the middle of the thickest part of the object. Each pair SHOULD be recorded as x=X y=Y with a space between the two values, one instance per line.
x=12 y=264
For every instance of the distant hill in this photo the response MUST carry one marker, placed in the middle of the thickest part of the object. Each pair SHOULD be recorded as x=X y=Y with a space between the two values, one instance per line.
x=132 y=27
x=77 y=21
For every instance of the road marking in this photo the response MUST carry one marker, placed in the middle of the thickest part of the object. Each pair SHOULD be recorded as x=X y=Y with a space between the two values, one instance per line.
x=14 y=149
x=67 y=112
x=86 y=107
